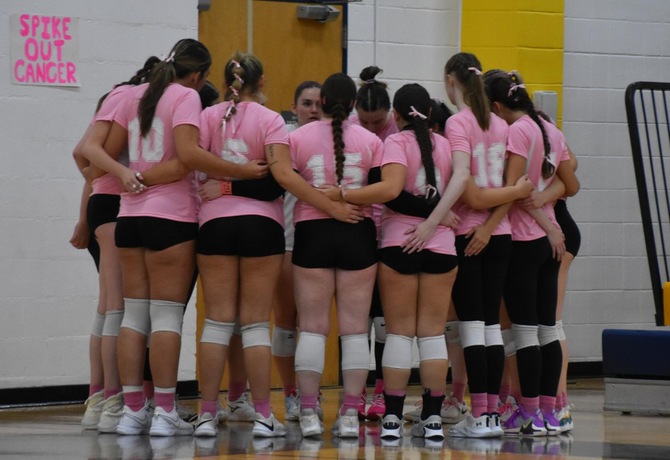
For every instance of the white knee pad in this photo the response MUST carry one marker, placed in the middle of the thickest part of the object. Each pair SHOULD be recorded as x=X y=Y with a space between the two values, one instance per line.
x=256 y=335
x=98 y=325
x=136 y=315
x=452 y=333
x=525 y=336
x=166 y=316
x=547 y=334
x=472 y=333
x=561 y=332
x=508 y=342
x=355 y=352
x=432 y=348
x=310 y=354
x=113 y=321
x=398 y=352
x=380 y=329
x=217 y=332
x=284 y=342
x=493 y=335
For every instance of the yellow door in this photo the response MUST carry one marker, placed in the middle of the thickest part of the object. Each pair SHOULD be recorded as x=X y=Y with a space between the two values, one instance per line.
x=292 y=50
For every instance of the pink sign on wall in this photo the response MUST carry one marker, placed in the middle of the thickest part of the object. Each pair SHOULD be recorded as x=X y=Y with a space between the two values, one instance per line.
x=44 y=50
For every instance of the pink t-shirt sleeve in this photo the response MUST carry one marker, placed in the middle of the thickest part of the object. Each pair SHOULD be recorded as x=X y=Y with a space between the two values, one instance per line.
x=187 y=110
x=457 y=133
x=377 y=149
x=394 y=152
x=112 y=103
x=205 y=131
x=518 y=141
x=277 y=132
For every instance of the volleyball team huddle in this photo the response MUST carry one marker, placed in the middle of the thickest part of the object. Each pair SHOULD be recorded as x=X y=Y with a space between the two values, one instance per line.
x=437 y=226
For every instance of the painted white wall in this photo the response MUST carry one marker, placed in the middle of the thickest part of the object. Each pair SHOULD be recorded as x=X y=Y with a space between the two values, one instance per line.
x=49 y=289
x=608 y=45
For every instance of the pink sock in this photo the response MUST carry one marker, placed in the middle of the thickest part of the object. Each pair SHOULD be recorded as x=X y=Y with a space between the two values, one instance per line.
x=94 y=389
x=547 y=403
x=148 y=387
x=165 y=398
x=109 y=392
x=289 y=389
x=458 y=389
x=559 y=401
x=208 y=407
x=350 y=402
x=479 y=403
x=262 y=407
x=379 y=386
x=308 y=401
x=531 y=404
x=517 y=396
x=236 y=389
x=134 y=399
x=492 y=403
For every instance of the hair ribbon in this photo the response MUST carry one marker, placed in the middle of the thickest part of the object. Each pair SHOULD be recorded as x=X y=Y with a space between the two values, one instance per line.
x=170 y=58
x=475 y=70
x=415 y=113
x=514 y=87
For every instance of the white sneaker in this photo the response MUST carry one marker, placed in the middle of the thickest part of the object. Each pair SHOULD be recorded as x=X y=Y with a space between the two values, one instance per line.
x=206 y=425
x=347 y=425
x=495 y=425
x=453 y=411
x=268 y=427
x=112 y=411
x=471 y=427
x=310 y=423
x=93 y=411
x=169 y=424
x=292 y=406
x=391 y=427
x=431 y=428
x=241 y=410
x=222 y=412
x=134 y=423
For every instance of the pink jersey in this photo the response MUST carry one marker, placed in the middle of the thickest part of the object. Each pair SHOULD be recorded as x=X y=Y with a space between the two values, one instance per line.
x=487 y=163
x=247 y=133
x=109 y=184
x=390 y=128
x=313 y=157
x=525 y=139
x=178 y=105
x=402 y=148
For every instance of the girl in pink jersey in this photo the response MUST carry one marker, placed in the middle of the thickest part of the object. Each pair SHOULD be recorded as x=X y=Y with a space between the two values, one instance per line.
x=536 y=147
x=329 y=255
x=415 y=288
x=157 y=226
x=101 y=206
x=373 y=112
x=483 y=243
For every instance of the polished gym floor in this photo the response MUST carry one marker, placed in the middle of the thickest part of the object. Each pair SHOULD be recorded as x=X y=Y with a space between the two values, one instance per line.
x=54 y=432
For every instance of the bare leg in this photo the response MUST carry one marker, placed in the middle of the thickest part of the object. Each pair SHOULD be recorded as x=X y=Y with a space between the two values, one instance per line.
x=566 y=261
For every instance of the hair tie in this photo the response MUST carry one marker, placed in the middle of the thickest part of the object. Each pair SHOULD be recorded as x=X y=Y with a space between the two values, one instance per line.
x=235 y=63
x=370 y=82
x=238 y=78
x=514 y=87
x=170 y=58
x=415 y=113
x=475 y=70
x=234 y=91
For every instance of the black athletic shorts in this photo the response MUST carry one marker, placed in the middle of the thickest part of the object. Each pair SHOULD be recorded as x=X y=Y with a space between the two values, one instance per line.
x=153 y=233
x=102 y=209
x=329 y=243
x=573 y=239
x=424 y=261
x=244 y=236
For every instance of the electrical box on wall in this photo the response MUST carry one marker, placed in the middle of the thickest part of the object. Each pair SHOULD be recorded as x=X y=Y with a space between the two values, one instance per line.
x=547 y=101
x=321 y=13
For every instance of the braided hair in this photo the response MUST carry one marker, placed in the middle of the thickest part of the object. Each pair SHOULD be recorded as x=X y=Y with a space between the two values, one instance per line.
x=338 y=94
x=508 y=89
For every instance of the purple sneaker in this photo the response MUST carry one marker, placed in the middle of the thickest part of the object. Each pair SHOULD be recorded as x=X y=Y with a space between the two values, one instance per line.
x=532 y=424
x=551 y=423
